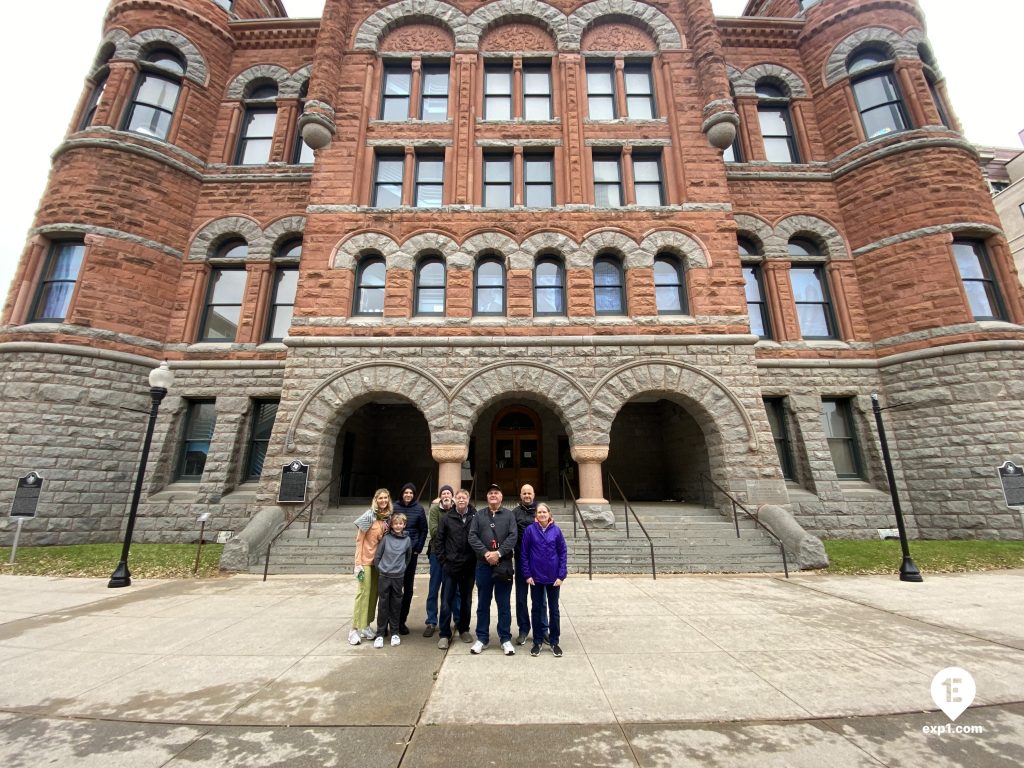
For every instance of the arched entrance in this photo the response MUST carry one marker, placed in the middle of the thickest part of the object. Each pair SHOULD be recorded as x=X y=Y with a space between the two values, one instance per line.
x=657 y=451
x=516 y=449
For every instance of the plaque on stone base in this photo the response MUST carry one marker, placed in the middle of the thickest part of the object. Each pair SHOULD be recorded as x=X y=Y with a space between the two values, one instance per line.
x=293 y=483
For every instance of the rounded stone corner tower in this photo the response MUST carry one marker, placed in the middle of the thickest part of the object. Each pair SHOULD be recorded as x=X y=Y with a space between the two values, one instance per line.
x=528 y=249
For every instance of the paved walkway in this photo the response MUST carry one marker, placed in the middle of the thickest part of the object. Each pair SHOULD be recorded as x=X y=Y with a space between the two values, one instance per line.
x=683 y=671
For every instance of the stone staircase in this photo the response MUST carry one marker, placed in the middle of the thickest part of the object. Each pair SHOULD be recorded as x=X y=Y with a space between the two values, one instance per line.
x=687 y=538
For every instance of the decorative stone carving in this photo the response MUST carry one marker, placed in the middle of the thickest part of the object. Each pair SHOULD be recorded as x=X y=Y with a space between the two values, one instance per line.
x=589 y=454
x=449 y=453
x=617 y=36
x=517 y=36
x=418 y=37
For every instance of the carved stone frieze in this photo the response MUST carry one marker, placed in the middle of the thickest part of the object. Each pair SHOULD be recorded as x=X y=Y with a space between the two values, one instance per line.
x=418 y=37
x=618 y=36
x=517 y=36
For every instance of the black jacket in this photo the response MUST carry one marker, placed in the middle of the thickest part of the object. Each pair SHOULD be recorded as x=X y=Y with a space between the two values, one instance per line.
x=524 y=519
x=451 y=541
x=416 y=525
x=503 y=534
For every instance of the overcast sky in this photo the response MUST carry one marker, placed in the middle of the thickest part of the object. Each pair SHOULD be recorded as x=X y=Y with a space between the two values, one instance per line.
x=977 y=46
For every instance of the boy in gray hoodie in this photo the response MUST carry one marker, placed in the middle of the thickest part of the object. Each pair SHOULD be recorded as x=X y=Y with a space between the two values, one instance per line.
x=393 y=555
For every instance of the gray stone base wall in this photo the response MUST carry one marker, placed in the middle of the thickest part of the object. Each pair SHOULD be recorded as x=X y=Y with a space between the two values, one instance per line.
x=78 y=420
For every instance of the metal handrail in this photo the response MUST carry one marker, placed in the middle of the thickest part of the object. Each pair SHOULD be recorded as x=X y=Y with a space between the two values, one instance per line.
x=309 y=527
x=566 y=486
x=427 y=481
x=753 y=516
x=629 y=509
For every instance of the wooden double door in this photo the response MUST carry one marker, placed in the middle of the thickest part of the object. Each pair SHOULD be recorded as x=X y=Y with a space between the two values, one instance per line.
x=516 y=450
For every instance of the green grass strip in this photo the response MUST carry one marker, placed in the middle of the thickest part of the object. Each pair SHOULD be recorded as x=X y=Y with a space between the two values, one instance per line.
x=864 y=556
x=146 y=561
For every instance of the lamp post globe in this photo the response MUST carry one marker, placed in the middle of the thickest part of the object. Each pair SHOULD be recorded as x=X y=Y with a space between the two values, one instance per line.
x=160 y=380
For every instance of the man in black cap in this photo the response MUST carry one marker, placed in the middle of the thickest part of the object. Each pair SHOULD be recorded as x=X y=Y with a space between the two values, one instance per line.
x=492 y=535
x=416 y=530
x=445 y=501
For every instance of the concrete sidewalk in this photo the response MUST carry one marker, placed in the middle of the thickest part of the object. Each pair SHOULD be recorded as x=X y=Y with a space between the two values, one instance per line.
x=682 y=671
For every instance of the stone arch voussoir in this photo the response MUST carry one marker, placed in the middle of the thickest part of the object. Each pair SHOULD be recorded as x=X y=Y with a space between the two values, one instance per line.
x=761 y=231
x=497 y=242
x=664 y=32
x=691 y=250
x=715 y=407
x=835 y=244
x=362 y=381
x=900 y=48
x=406 y=256
x=606 y=240
x=292 y=85
x=351 y=250
x=195 y=65
x=746 y=83
x=282 y=229
x=237 y=87
x=217 y=230
x=372 y=31
x=493 y=14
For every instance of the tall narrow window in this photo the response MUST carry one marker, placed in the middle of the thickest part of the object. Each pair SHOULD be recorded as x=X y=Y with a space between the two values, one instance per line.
x=810 y=292
x=429 y=181
x=264 y=412
x=370 y=286
x=669 y=289
x=282 y=302
x=95 y=97
x=776 y=409
x=549 y=287
x=430 y=287
x=536 y=91
x=60 y=274
x=877 y=95
x=931 y=75
x=489 y=298
x=607 y=181
x=837 y=423
x=776 y=123
x=609 y=288
x=497 y=180
x=976 y=274
x=538 y=180
x=195 y=444
x=434 y=99
x=647 y=185
x=302 y=153
x=387 y=181
x=223 y=304
x=757 y=308
x=156 y=94
x=601 y=92
x=639 y=91
x=396 y=92
x=257 y=134
x=498 y=92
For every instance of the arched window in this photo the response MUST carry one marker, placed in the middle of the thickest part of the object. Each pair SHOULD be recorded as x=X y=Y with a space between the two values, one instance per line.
x=257 y=132
x=286 y=281
x=370 y=286
x=776 y=123
x=99 y=84
x=302 y=153
x=669 y=288
x=225 y=292
x=876 y=92
x=548 y=287
x=757 y=305
x=489 y=289
x=609 y=288
x=810 y=292
x=430 y=286
x=156 y=94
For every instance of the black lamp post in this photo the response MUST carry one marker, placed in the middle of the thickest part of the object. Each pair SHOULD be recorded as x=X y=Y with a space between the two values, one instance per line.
x=908 y=571
x=160 y=380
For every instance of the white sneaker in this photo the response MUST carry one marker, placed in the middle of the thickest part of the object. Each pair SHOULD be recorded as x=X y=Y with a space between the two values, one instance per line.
x=368 y=633
x=354 y=638
x=477 y=647
x=395 y=640
x=508 y=648
x=378 y=642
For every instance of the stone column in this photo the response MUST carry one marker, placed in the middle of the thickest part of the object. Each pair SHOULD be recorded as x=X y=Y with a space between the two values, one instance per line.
x=594 y=507
x=449 y=460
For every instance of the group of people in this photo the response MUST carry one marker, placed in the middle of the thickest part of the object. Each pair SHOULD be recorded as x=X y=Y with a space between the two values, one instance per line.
x=492 y=550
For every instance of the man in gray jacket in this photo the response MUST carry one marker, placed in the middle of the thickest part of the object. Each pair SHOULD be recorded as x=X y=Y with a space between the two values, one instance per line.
x=492 y=535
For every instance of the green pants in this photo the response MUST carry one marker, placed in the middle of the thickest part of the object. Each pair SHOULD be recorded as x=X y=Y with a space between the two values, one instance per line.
x=366 y=599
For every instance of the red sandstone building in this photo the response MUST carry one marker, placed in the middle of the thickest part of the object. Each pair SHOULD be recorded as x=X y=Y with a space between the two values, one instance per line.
x=607 y=236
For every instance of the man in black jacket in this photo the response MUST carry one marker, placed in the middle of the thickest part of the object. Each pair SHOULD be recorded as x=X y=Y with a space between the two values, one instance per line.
x=416 y=530
x=458 y=564
x=492 y=535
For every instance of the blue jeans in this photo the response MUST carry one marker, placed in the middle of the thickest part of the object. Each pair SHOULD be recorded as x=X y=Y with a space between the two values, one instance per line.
x=549 y=614
x=434 y=592
x=486 y=587
x=523 y=615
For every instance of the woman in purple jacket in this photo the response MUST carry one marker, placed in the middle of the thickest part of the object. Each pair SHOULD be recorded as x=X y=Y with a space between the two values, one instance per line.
x=543 y=561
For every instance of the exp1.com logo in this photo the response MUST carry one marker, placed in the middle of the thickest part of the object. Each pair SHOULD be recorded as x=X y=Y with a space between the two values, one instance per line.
x=953 y=691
